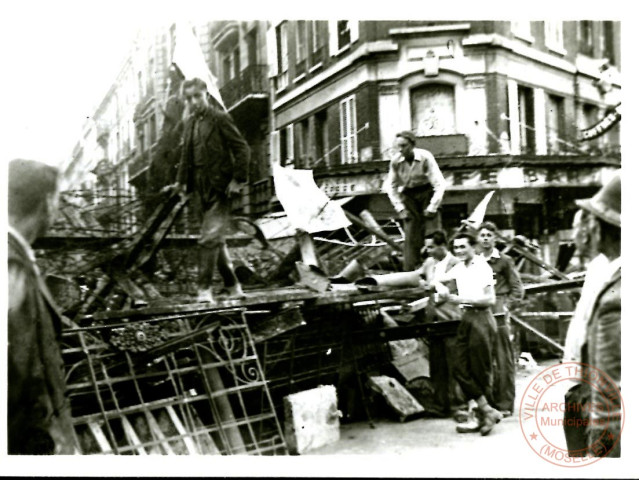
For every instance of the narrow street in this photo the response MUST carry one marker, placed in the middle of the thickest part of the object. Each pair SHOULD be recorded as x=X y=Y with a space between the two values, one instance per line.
x=435 y=434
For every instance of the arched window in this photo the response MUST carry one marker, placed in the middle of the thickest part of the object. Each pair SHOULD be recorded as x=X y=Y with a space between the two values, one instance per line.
x=433 y=110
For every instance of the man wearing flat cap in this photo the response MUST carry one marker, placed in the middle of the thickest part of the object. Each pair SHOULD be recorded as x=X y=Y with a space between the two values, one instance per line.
x=415 y=187
x=601 y=351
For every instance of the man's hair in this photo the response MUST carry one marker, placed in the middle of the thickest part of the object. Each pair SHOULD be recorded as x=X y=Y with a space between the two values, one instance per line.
x=489 y=226
x=408 y=135
x=29 y=184
x=194 y=82
x=438 y=237
x=472 y=239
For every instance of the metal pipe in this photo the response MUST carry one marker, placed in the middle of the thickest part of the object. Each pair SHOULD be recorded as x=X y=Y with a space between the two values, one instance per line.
x=398 y=279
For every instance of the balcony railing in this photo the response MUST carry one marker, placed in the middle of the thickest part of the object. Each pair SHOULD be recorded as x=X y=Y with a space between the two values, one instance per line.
x=252 y=80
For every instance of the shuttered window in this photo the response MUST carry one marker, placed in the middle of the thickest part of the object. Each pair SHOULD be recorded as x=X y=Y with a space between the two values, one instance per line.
x=348 y=129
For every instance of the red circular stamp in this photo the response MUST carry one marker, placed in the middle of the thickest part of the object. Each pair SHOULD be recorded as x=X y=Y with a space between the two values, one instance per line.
x=572 y=427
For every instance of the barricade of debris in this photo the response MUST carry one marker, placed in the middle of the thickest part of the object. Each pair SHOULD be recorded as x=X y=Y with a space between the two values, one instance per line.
x=151 y=372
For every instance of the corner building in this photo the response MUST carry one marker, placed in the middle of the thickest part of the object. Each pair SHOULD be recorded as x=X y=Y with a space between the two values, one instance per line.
x=500 y=104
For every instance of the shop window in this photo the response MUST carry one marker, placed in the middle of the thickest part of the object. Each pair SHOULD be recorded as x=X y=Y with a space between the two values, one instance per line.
x=452 y=216
x=433 y=110
x=527 y=220
x=348 y=129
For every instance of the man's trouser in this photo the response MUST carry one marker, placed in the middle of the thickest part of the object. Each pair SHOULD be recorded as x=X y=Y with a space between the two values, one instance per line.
x=216 y=218
x=503 y=392
x=475 y=342
x=415 y=200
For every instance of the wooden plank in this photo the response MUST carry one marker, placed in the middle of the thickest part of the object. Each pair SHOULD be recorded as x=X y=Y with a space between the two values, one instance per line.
x=132 y=437
x=177 y=423
x=99 y=436
x=157 y=433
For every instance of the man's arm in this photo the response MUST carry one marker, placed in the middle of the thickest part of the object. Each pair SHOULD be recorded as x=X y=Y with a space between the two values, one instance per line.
x=392 y=189
x=437 y=181
x=238 y=146
x=486 y=299
x=516 y=288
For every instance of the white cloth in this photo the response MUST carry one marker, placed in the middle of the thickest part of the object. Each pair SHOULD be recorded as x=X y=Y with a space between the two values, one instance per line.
x=599 y=271
x=472 y=279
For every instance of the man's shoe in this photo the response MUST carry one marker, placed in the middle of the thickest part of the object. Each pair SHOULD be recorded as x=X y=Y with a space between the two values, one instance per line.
x=490 y=417
x=205 y=295
x=235 y=290
x=471 y=425
x=461 y=416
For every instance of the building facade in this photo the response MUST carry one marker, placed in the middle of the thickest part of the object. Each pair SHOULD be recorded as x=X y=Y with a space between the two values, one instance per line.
x=500 y=105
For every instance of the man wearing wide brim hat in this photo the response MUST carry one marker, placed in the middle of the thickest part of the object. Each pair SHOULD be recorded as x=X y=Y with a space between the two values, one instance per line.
x=602 y=348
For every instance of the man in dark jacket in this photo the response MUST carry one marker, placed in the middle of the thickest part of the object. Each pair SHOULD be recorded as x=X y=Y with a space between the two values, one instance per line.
x=39 y=417
x=602 y=350
x=213 y=166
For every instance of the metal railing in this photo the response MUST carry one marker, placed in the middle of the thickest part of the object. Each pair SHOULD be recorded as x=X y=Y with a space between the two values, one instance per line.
x=252 y=80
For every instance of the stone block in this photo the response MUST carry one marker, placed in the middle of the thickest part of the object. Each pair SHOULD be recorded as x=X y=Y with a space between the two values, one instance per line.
x=311 y=419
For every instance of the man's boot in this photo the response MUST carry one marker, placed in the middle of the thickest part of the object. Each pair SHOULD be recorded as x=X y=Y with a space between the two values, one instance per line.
x=489 y=416
x=225 y=265
x=472 y=424
x=204 y=295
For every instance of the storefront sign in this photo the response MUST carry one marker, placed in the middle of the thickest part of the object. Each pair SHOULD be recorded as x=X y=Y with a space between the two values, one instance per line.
x=352 y=185
x=476 y=179
x=601 y=127
x=521 y=177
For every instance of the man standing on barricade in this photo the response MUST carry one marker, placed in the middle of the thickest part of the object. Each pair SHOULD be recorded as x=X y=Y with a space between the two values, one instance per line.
x=214 y=166
x=415 y=187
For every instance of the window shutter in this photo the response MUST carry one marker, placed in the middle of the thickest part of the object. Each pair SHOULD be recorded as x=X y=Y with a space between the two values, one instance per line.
x=271 y=51
x=290 y=147
x=275 y=147
x=353 y=130
x=353 y=26
x=332 y=37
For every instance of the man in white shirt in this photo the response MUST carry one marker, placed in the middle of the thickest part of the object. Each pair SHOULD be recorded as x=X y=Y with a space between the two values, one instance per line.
x=439 y=259
x=476 y=334
x=415 y=187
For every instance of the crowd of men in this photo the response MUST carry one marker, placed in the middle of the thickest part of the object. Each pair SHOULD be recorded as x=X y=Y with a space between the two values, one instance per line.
x=477 y=279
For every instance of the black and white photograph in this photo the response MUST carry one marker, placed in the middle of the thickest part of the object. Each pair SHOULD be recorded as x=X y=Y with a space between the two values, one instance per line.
x=273 y=242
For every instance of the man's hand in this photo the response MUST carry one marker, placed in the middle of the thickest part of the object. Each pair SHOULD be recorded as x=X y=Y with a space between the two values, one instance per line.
x=403 y=214
x=429 y=214
x=174 y=188
x=234 y=187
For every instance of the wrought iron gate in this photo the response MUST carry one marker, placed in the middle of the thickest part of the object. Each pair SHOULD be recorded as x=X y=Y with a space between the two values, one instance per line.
x=171 y=384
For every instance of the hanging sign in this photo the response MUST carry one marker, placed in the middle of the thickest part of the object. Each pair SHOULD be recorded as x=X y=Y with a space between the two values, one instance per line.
x=602 y=126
